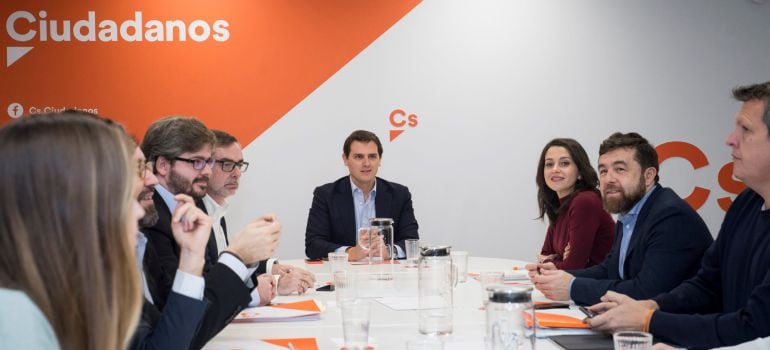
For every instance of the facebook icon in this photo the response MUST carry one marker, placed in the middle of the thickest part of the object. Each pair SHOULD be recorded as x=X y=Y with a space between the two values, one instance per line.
x=15 y=110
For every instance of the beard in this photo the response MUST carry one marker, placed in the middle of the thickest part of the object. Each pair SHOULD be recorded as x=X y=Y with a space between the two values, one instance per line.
x=626 y=201
x=150 y=217
x=179 y=184
x=150 y=213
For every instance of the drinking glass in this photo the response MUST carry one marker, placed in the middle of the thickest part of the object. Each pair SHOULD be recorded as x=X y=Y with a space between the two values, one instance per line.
x=344 y=286
x=364 y=240
x=355 y=323
x=632 y=340
x=337 y=261
x=412 y=252
x=460 y=260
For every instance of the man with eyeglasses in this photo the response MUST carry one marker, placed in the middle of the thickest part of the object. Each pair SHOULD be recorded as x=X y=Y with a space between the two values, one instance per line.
x=224 y=183
x=179 y=150
x=179 y=325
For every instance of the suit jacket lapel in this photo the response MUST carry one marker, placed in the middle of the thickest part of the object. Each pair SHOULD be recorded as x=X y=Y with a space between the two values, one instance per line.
x=211 y=247
x=149 y=269
x=640 y=222
x=383 y=201
x=343 y=198
x=614 y=260
x=164 y=214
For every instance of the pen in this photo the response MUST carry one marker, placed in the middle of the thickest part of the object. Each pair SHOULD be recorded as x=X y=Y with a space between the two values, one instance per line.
x=588 y=313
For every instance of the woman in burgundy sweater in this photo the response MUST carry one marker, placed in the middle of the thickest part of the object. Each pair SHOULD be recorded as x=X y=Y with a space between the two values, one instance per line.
x=580 y=231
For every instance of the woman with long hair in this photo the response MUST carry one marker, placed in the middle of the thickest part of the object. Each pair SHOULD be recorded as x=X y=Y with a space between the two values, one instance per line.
x=580 y=232
x=68 y=215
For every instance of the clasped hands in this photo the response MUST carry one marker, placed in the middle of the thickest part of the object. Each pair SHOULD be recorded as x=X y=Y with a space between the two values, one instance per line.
x=369 y=241
x=549 y=280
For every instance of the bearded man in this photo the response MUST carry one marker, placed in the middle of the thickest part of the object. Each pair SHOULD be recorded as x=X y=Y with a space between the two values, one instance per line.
x=659 y=238
x=180 y=152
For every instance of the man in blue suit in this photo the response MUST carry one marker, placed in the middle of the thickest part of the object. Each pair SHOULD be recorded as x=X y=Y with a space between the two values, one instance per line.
x=340 y=208
x=659 y=238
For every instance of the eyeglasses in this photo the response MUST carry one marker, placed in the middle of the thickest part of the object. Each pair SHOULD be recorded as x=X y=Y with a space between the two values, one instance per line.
x=197 y=163
x=142 y=168
x=228 y=166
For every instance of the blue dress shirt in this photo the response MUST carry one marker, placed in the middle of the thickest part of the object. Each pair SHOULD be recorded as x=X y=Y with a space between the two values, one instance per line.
x=628 y=220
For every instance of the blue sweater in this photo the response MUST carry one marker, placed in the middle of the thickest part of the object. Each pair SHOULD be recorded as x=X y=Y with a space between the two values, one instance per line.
x=728 y=300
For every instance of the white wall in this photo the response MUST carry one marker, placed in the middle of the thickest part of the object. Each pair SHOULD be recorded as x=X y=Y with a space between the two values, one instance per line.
x=492 y=82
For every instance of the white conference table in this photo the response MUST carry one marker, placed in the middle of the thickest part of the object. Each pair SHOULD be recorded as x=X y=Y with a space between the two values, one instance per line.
x=389 y=329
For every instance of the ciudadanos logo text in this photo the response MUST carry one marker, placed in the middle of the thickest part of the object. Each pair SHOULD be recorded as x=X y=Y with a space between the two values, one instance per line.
x=26 y=28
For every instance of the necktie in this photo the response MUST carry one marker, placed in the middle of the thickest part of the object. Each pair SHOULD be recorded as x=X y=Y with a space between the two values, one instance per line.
x=224 y=229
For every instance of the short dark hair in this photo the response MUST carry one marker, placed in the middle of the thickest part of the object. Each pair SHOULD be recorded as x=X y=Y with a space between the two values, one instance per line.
x=645 y=153
x=223 y=139
x=547 y=199
x=760 y=92
x=361 y=136
x=171 y=136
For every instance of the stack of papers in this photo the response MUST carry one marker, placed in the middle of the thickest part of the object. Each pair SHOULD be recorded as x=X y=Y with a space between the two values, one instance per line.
x=264 y=344
x=305 y=310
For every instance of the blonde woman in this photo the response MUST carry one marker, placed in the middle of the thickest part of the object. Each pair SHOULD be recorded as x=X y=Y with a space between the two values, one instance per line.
x=68 y=215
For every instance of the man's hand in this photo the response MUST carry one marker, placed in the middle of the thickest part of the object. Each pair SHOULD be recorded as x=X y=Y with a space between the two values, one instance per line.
x=620 y=313
x=294 y=279
x=356 y=253
x=553 y=283
x=191 y=228
x=258 y=240
x=379 y=248
x=363 y=244
x=265 y=288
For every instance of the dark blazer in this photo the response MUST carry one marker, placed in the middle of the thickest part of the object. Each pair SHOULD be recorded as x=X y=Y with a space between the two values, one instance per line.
x=332 y=223
x=225 y=291
x=666 y=247
x=175 y=328
x=211 y=247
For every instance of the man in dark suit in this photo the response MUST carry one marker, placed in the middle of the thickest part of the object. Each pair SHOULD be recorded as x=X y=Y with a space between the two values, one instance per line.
x=179 y=150
x=341 y=208
x=659 y=238
x=179 y=326
x=224 y=183
x=728 y=300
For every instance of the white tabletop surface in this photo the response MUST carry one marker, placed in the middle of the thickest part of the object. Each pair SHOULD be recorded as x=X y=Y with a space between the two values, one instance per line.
x=389 y=329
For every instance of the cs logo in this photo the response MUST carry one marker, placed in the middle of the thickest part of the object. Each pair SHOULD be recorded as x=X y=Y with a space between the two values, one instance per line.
x=696 y=157
x=399 y=120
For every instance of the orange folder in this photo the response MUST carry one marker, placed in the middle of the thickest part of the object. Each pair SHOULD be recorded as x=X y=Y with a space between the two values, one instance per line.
x=304 y=305
x=549 y=320
x=297 y=343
